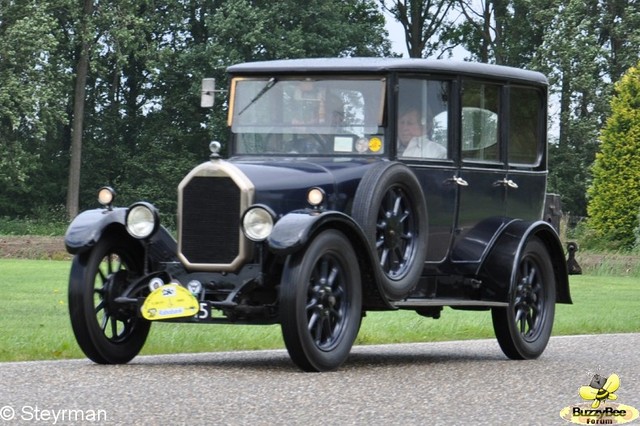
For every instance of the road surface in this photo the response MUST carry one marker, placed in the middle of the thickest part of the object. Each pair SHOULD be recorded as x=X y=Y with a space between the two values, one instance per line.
x=444 y=383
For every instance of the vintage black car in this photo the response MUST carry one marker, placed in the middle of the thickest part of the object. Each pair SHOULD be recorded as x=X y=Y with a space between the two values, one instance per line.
x=351 y=185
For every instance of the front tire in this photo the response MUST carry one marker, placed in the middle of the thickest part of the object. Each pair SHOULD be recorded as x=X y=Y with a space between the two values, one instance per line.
x=524 y=328
x=321 y=303
x=106 y=333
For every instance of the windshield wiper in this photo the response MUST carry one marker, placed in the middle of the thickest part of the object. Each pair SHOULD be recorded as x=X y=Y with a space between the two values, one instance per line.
x=272 y=82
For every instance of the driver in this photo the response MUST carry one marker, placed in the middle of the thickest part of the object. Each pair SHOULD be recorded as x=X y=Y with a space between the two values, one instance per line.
x=413 y=139
x=318 y=111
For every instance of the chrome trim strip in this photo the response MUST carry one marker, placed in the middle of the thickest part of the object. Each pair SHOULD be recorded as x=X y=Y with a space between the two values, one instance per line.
x=447 y=302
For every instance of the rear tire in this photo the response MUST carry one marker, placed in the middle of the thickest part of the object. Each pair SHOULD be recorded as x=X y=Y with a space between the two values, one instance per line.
x=321 y=303
x=524 y=328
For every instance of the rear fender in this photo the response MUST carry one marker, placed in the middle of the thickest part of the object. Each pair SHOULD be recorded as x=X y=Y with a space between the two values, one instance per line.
x=499 y=267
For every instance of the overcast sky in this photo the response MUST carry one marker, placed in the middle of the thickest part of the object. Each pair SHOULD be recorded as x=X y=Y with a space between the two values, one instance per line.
x=396 y=34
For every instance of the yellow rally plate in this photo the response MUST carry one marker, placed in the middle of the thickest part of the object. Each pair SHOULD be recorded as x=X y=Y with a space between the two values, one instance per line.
x=169 y=301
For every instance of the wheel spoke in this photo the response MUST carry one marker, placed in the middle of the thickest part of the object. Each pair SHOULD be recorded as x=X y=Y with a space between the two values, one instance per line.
x=109 y=264
x=518 y=317
x=325 y=330
x=397 y=204
x=105 y=322
x=316 y=331
x=313 y=321
x=312 y=304
x=383 y=257
x=531 y=319
x=335 y=314
x=338 y=292
x=324 y=269
x=404 y=216
x=331 y=278
x=399 y=256
x=114 y=328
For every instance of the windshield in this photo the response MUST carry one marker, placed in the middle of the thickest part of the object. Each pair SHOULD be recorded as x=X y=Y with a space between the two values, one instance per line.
x=307 y=116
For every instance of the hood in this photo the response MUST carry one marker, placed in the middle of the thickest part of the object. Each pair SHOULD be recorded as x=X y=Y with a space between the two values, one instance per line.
x=283 y=184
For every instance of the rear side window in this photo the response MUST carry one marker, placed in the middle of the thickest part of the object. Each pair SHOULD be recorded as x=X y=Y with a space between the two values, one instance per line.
x=479 y=122
x=525 y=125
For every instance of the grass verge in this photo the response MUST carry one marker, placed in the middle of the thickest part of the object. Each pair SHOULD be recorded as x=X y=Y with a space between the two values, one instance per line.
x=35 y=321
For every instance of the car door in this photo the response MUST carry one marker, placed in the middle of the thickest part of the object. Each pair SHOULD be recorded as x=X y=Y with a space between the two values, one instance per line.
x=527 y=164
x=482 y=174
x=423 y=119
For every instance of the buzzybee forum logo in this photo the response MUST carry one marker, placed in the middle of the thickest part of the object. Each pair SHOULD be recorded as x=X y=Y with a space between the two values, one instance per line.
x=599 y=408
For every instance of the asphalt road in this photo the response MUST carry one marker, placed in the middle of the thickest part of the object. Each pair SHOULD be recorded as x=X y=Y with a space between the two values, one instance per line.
x=448 y=383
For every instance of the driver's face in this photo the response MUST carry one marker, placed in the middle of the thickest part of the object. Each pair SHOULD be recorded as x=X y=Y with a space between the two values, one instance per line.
x=409 y=127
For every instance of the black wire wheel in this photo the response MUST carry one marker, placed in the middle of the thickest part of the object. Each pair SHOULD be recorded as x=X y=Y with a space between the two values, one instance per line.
x=107 y=332
x=321 y=303
x=390 y=207
x=524 y=328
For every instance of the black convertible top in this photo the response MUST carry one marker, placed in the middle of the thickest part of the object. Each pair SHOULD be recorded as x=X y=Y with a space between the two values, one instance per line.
x=386 y=65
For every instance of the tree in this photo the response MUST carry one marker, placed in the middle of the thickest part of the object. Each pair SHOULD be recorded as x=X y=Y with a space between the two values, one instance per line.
x=421 y=20
x=147 y=128
x=30 y=104
x=583 y=52
x=82 y=69
x=138 y=125
x=614 y=196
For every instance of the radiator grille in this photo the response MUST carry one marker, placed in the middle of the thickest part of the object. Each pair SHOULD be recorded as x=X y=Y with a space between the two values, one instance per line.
x=210 y=220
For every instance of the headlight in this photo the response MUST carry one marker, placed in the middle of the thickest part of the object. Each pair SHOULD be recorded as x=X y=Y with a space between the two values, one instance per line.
x=315 y=196
x=142 y=220
x=106 y=195
x=257 y=223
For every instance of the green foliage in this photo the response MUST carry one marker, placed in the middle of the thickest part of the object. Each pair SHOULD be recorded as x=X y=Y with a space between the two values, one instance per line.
x=143 y=126
x=47 y=222
x=614 y=196
x=30 y=101
x=148 y=57
x=636 y=236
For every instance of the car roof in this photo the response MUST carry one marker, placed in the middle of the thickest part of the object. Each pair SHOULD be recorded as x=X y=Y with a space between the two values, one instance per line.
x=387 y=65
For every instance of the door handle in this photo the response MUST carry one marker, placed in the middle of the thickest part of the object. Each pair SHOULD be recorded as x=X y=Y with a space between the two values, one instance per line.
x=458 y=181
x=506 y=182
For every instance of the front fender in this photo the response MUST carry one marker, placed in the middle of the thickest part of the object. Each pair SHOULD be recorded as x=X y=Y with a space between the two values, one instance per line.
x=87 y=228
x=294 y=230
x=499 y=267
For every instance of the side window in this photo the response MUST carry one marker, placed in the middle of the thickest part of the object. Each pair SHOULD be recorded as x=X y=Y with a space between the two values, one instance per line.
x=480 y=108
x=525 y=125
x=422 y=121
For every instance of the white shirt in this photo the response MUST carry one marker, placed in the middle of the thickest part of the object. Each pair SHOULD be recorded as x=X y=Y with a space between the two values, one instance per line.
x=425 y=148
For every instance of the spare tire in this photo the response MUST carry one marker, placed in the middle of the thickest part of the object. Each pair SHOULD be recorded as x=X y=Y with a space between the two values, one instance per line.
x=390 y=207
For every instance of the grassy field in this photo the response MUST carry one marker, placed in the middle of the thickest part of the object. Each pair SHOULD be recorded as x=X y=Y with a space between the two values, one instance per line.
x=34 y=321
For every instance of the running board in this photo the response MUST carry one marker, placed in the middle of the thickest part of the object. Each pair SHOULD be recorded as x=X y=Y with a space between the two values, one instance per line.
x=409 y=303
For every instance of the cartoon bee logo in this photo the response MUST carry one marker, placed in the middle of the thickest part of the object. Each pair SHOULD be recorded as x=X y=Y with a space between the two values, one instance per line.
x=600 y=389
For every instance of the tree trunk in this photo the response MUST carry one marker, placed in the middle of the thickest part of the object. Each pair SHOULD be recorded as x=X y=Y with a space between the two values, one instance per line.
x=73 y=190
